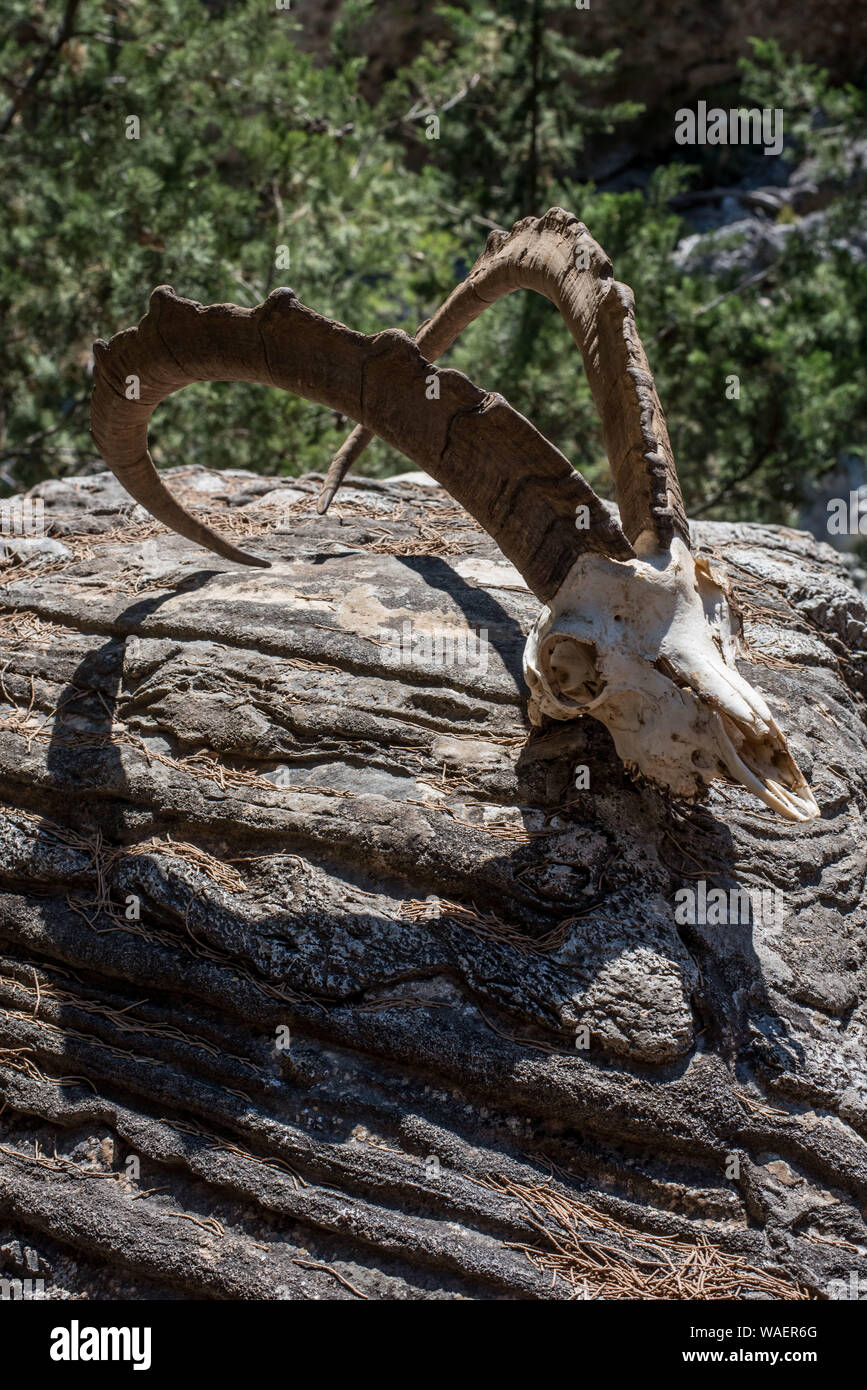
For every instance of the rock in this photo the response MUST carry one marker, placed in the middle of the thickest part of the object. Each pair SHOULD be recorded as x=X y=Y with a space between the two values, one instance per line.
x=320 y=975
x=33 y=549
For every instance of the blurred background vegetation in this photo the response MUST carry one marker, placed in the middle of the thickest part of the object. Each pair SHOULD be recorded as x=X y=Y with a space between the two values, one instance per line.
x=257 y=132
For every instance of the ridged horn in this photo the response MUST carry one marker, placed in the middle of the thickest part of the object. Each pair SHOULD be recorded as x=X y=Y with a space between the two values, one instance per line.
x=503 y=471
x=556 y=256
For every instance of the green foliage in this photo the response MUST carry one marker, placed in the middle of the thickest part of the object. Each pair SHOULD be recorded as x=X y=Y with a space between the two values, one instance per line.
x=522 y=123
x=794 y=335
x=247 y=145
x=821 y=120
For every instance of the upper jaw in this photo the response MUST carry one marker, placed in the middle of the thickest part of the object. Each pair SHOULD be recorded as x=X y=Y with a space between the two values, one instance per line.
x=755 y=763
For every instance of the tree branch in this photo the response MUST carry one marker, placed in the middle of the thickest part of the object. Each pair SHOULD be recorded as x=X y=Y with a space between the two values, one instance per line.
x=42 y=65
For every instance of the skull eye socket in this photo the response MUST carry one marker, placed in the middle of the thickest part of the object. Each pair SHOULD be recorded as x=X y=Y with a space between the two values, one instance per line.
x=570 y=669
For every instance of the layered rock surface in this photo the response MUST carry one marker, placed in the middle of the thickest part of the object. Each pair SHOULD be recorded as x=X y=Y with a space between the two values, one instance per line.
x=321 y=975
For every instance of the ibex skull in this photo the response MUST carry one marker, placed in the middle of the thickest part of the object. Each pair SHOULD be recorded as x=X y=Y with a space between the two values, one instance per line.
x=636 y=631
x=646 y=646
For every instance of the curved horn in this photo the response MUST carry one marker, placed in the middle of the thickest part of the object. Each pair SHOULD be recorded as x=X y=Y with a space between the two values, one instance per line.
x=556 y=256
x=508 y=476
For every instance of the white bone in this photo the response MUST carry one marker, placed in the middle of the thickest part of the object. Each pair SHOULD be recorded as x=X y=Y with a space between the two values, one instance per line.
x=647 y=647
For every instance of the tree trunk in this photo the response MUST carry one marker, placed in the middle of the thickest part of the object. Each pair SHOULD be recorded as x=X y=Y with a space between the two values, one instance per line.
x=361 y=989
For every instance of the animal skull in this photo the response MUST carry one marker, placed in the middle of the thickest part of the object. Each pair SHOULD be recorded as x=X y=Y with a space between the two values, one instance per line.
x=647 y=647
x=636 y=631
